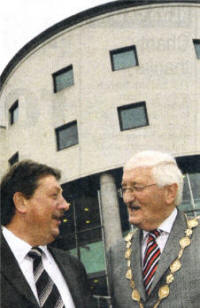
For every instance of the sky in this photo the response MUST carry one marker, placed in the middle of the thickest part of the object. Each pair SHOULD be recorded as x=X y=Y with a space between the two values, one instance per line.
x=22 y=20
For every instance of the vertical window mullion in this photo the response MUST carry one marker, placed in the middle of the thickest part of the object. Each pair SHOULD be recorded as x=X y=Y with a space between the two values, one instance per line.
x=75 y=231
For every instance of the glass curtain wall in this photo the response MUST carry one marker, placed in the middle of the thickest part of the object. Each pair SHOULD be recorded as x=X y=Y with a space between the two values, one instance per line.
x=81 y=233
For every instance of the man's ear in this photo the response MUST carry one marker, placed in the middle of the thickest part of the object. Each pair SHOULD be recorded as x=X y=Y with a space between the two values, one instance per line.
x=20 y=202
x=171 y=192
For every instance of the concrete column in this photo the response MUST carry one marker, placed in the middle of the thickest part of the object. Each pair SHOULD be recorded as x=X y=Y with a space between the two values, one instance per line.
x=110 y=210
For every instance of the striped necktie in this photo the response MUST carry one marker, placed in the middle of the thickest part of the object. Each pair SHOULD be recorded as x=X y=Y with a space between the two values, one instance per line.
x=48 y=293
x=151 y=259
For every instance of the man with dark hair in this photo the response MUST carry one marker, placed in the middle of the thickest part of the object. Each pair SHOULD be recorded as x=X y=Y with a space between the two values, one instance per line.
x=157 y=265
x=22 y=177
x=33 y=274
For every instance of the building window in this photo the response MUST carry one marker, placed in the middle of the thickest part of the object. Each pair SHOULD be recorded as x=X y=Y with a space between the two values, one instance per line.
x=13 y=113
x=123 y=58
x=63 y=78
x=14 y=159
x=67 y=135
x=133 y=116
x=197 y=48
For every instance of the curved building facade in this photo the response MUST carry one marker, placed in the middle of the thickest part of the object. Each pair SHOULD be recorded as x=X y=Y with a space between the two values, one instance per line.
x=91 y=91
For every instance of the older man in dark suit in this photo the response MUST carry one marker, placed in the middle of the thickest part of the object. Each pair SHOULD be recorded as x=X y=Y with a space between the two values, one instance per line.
x=33 y=274
x=158 y=263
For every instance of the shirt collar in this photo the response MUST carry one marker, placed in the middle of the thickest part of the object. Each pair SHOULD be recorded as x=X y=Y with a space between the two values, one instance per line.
x=166 y=225
x=19 y=247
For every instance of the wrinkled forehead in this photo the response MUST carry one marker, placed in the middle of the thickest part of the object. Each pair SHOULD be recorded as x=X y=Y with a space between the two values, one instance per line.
x=136 y=175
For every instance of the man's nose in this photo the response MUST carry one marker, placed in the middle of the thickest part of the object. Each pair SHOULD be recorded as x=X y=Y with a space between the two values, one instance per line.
x=63 y=204
x=128 y=197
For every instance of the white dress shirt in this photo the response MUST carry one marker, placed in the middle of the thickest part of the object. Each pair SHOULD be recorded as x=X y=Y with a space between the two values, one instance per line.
x=165 y=227
x=20 y=250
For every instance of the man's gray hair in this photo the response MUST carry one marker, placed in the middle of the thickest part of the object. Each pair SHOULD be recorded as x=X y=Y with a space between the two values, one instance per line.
x=164 y=169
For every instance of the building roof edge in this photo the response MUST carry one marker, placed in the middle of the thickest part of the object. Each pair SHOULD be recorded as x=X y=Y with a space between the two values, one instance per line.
x=74 y=20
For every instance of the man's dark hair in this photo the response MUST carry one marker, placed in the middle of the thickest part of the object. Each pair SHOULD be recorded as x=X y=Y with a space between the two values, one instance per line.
x=21 y=177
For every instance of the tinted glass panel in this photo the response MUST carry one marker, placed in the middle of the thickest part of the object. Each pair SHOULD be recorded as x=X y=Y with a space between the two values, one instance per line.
x=123 y=213
x=67 y=135
x=92 y=256
x=14 y=113
x=191 y=193
x=123 y=58
x=197 y=48
x=87 y=213
x=186 y=204
x=195 y=185
x=98 y=286
x=133 y=116
x=14 y=159
x=63 y=79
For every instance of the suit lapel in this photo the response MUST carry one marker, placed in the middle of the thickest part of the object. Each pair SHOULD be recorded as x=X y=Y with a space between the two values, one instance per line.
x=12 y=272
x=171 y=249
x=136 y=265
x=69 y=274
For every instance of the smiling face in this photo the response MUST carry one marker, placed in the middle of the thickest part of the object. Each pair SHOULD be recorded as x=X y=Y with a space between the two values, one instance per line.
x=43 y=212
x=149 y=207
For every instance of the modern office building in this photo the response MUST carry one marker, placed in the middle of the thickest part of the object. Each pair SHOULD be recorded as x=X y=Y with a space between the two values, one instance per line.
x=92 y=90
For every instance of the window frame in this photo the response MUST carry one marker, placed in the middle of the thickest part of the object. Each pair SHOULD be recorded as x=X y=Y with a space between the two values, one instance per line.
x=60 y=72
x=13 y=159
x=189 y=165
x=63 y=127
x=121 y=50
x=12 y=109
x=130 y=106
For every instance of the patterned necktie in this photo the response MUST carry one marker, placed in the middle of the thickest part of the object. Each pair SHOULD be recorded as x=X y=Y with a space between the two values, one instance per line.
x=48 y=294
x=151 y=259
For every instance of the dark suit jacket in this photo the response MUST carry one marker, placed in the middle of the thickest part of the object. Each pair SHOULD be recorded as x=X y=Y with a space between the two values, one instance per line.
x=16 y=293
x=184 y=290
